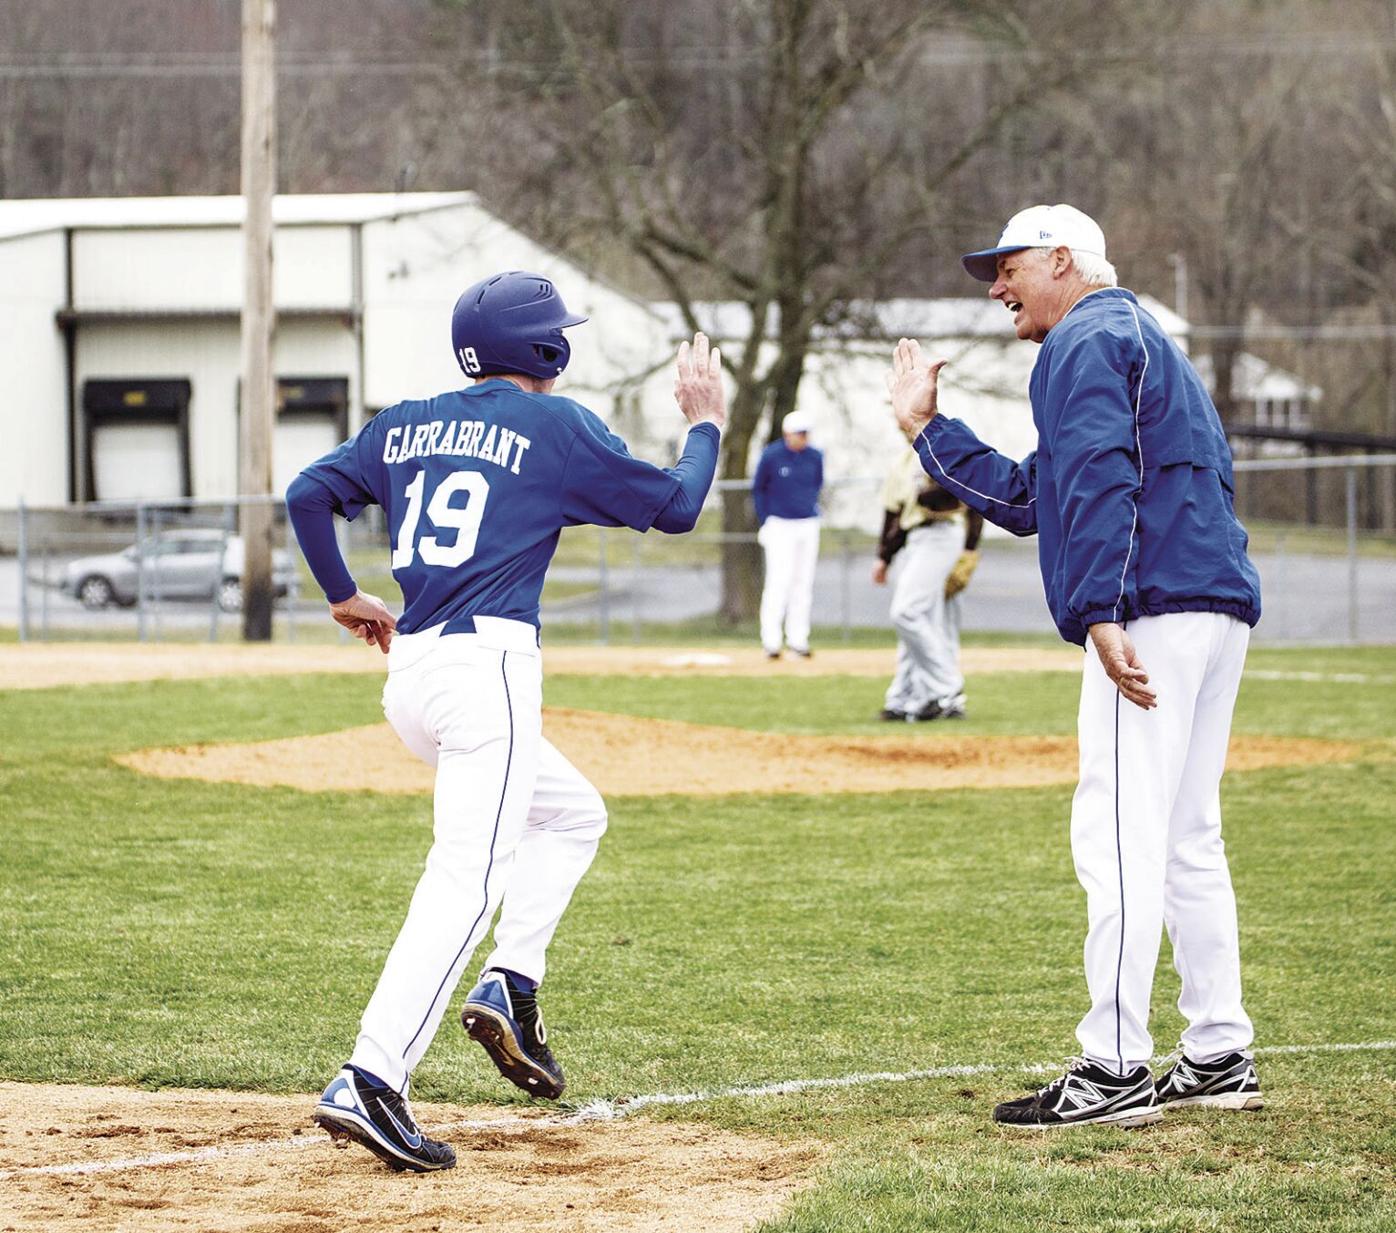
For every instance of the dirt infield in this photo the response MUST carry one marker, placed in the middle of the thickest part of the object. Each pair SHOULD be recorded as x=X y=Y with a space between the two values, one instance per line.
x=627 y=756
x=42 y=665
x=235 y=1162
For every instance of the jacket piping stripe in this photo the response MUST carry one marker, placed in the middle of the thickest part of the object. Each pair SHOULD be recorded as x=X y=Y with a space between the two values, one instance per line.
x=1120 y=866
x=1139 y=453
x=983 y=496
x=489 y=865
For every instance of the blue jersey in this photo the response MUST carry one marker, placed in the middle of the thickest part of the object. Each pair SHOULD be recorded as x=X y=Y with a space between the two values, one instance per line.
x=787 y=482
x=476 y=485
x=1130 y=489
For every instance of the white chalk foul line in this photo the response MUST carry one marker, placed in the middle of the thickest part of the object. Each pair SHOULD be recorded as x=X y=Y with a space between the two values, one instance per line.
x=253 y=1148
x=603 y=1110
x=612 y=1110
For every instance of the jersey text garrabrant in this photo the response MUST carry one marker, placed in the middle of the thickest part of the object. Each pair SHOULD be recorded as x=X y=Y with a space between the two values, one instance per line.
x=462 y=438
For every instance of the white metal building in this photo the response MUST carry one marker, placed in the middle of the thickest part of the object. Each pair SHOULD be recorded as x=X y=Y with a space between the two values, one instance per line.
x=119 y=331
x=119 y=335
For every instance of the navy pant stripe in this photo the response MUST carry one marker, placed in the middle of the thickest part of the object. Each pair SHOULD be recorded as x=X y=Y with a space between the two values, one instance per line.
x=1120 y=866
x=489 y=867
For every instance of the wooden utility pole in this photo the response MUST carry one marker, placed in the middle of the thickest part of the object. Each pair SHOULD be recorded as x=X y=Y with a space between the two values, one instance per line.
x=258 y=312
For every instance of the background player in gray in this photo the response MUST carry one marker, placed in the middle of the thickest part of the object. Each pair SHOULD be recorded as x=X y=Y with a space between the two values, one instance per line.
x=1144 y=563
x=937 y=538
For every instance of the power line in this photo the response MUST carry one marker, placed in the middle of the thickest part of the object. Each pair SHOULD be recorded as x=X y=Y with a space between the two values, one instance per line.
x=193 y=64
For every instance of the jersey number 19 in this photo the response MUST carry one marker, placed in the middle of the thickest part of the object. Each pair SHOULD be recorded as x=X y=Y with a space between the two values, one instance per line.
x=464 y=520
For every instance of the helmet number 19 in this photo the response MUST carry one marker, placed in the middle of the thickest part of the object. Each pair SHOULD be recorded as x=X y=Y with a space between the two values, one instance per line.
x=464 y=520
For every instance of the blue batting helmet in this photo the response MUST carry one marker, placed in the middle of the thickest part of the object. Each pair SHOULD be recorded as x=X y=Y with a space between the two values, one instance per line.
x=512 y=322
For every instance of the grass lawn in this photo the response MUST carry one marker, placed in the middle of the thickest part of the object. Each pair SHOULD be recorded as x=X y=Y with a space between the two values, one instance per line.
x=181 y=933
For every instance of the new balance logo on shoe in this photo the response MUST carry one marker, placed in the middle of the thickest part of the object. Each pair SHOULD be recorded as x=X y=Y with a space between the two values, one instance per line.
x=1228 y=1082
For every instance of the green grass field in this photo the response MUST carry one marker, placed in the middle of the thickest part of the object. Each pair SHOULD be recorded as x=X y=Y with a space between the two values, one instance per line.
x=163 y=932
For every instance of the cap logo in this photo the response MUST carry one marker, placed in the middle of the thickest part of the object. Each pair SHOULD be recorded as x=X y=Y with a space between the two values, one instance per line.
x=1044 y=235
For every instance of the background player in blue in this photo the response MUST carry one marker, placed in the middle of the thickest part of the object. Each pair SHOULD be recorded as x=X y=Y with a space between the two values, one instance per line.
x=476 y=485
x=1144 y=563
x=785 y=491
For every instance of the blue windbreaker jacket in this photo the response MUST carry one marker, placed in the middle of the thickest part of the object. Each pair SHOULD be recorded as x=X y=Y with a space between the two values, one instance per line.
x=1130 y=490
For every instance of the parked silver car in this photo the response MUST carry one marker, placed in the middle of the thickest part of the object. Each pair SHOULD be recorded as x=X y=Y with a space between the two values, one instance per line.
x=190 y=564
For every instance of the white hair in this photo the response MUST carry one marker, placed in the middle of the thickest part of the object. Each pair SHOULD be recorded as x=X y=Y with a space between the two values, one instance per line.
x=1094 y=269
x=1091 y=268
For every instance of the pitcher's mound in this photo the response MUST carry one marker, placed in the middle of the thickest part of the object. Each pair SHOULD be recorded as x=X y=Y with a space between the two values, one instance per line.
x=627 y=756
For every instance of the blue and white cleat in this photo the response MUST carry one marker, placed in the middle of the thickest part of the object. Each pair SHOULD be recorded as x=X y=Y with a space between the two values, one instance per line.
x=356 y=1106
x=505 y=1020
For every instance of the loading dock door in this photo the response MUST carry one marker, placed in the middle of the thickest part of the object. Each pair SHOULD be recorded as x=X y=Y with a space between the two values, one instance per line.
x=137 y=439
x=312 y=418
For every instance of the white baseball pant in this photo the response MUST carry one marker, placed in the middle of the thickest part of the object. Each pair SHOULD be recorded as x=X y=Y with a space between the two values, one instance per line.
x=1146 y=840
x=514 y=822
x=791 y=546
x=927 y=624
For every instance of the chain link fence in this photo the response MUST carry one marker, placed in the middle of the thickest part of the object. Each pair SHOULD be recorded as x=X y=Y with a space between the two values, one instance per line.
x=171 y=571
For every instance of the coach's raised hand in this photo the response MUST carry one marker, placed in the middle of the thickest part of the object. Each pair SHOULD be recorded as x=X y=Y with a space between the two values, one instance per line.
x=698 y=385
x=912 y=384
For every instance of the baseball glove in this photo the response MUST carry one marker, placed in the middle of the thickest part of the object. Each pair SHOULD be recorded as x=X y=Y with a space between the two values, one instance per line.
x=958 y=578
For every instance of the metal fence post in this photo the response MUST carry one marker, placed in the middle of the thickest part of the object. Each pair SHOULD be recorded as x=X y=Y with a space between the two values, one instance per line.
x=846 y=585
x=1350 y=485
x=636 y=541
x=603 y=610
x=43 y=592
x=218 y=583
x=140 y=571
x=23 y=555
x=292 y=584
x=157 y=598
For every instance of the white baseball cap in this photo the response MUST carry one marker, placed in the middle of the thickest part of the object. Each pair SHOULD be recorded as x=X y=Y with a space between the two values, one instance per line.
x=797 y=421
x=1039 y=226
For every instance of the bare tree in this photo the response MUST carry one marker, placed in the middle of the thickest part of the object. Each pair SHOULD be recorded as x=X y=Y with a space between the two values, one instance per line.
x=782 y=155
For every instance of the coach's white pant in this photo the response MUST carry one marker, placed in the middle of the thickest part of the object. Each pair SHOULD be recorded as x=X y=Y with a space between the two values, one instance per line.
x=514 y=821
x=927 y=624
x=791 y=546
x=1146 y=840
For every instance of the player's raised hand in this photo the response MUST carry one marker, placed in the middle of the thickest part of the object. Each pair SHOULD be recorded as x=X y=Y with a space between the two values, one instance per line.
x=1121 y=663
x=912 y=383
x=698 y=385
x=367 y=617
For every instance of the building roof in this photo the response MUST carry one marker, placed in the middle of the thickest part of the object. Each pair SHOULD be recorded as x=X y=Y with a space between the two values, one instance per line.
x=26 y=216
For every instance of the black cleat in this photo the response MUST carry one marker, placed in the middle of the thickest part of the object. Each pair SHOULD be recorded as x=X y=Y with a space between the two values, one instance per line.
x=1087 y=1093
x=1228 y=1083
x=939 y=708
x=355 y=1106
x=506 y=1021
x=887 y=713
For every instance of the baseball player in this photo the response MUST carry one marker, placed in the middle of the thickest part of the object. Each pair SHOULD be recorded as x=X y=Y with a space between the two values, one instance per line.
x=476 y=484
x=785 y=491
x=941 y=542
x=1144 y=563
